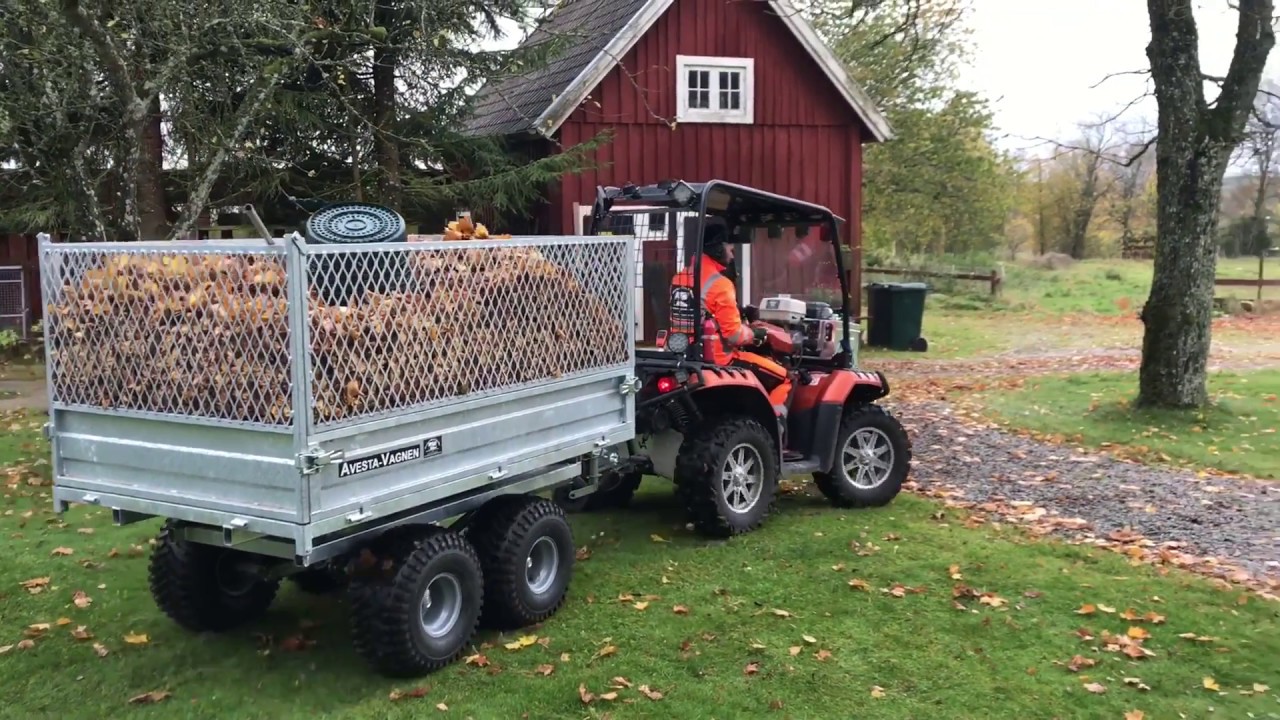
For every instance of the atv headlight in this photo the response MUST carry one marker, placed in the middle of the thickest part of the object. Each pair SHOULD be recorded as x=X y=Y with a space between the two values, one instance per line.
x=678 y=343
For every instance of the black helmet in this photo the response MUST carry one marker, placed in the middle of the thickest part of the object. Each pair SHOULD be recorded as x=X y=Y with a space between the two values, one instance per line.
x=713 y=242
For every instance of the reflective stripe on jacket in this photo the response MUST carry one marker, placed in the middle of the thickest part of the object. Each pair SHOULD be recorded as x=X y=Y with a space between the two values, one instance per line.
x=720 y=302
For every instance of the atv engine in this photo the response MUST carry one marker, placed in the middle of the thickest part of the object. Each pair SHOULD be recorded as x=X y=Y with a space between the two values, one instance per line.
x=812 y=324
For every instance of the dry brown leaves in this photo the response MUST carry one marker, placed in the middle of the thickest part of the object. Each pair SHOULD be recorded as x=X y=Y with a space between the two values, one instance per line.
x=1165 y=556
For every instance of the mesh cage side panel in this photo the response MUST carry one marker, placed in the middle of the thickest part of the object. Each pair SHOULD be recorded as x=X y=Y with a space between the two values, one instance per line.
x=413 y=326
x=194 y=332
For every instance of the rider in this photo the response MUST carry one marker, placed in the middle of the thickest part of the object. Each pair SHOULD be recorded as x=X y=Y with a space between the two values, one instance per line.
x=720 y=303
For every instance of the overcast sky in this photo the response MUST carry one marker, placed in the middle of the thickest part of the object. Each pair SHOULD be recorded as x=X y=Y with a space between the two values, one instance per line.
x=1036 y=60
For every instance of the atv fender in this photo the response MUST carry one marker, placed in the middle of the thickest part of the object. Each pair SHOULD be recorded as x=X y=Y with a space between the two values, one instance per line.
x=735 y=391
x=845 y=389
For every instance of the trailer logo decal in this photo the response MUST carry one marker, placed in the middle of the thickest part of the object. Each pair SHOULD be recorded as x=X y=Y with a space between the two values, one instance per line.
x=385 y=459
x=432 y=446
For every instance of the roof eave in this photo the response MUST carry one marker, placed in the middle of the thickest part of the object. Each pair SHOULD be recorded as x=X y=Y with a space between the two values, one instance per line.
x=549 y=122
x=853 y=93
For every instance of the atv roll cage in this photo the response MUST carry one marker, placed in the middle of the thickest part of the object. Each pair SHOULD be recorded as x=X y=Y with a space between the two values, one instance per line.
x=743 y=210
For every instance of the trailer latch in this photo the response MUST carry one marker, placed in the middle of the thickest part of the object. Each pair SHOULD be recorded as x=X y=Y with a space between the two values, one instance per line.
x=311 y=461
x=47 y=430
x=630 y=385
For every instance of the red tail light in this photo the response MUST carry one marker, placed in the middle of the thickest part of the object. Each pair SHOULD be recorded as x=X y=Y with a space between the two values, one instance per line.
x=667 y=384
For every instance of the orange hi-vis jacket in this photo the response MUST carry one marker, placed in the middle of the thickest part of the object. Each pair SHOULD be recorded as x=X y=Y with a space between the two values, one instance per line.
x=719 y=300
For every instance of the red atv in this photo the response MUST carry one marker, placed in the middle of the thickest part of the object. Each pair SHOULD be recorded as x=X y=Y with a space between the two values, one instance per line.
x=711 y=428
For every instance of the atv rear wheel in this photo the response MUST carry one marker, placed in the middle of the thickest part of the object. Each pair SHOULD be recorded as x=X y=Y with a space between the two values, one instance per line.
x=727 y=476
x=873 y=456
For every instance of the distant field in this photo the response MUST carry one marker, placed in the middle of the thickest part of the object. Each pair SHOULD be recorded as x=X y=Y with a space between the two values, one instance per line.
x=1107 y=287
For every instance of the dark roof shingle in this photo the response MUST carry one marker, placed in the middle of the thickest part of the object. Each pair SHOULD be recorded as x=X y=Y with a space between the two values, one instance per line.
x=511 y=104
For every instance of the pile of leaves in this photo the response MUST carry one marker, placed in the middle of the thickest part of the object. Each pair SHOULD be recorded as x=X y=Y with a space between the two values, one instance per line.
x=207 y=334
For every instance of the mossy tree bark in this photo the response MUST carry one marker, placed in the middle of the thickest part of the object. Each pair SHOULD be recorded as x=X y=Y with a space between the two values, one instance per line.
x=1195 y=142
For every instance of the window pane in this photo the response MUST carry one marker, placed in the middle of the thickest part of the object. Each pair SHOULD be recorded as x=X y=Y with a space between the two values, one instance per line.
x=704 y=99
x=730 y=100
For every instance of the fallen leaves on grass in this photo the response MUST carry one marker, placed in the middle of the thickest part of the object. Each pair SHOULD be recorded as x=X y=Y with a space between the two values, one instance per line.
x=860 y=584
x=62 y=551
x=137 y=638
x=397 y=695
x=1095 y=688
x=441 y=707
x=1197 y=637
x=82 y=633
x=899 y=590
x=658 y=538
x=521 y=642
x=1079 y=662
x=877 y=692
x=641 y=605
x=1134 y=715
x=794 y=650
x=545 y=670
x=680 y=610
x=101 y=650
x=605 y=651
x=478 y=659
x=35 y=586
x=779 y=612
x=650 y=693
x=822 y=655
x=150 y=698
x=1210 y=684
x=81 y=599
x=1137 y=683
x=751 y=668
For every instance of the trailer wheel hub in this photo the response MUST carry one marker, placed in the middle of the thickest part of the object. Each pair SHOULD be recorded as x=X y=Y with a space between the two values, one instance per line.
x=441 y=605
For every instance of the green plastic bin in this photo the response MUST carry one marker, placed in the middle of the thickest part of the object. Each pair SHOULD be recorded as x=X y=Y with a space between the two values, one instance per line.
x=906 y=314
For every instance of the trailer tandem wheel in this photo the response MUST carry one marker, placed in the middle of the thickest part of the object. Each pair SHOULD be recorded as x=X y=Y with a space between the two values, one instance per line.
x=526 y=548
x=205 y=588
x=417 y=607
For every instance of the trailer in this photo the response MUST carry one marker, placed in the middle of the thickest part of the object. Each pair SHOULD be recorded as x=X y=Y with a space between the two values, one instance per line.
x=263 y=471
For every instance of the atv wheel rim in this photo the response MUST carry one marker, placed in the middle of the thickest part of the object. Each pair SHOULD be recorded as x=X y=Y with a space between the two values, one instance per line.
x=542 y=565
x=742 y=478
x=441 y=605
x=867 y=458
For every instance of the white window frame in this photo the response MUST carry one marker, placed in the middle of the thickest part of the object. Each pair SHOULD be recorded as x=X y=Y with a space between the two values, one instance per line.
x=745 y=66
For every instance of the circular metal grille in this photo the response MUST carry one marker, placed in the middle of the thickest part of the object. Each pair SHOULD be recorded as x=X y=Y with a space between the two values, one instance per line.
x=345 y=223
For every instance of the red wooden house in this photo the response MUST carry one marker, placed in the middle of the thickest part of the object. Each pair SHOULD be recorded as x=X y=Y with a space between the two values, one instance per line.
x=736 y=90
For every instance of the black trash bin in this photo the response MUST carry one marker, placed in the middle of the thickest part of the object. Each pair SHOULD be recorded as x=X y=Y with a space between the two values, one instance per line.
x=906 y=316
x=880 y=310
x=343 y=278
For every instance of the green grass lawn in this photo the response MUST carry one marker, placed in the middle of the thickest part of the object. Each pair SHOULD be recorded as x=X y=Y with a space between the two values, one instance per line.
x=1239 y=431
x=800 y=619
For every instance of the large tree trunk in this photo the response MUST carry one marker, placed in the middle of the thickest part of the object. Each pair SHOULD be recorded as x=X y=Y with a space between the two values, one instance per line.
x=1191 y=156
x=385 y=61
x=152 y=207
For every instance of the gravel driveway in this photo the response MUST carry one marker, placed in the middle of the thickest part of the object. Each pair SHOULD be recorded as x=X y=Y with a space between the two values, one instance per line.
x=1236 y=521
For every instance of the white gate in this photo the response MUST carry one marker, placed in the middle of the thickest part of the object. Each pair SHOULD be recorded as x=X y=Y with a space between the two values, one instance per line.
x=14 y=313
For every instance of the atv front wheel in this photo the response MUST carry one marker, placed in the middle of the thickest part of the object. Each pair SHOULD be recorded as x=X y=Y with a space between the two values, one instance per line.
x=873 y=456
x=727 y=476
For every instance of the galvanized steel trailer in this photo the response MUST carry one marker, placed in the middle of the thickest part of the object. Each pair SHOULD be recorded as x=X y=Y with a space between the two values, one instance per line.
x=258 y=487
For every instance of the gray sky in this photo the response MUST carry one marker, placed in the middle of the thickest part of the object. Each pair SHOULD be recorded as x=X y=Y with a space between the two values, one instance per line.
x=1036 y=60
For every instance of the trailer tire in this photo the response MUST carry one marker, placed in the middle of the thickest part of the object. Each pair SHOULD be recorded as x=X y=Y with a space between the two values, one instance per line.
x=527 y=552
x=867 y=431
x=192 y=584
x=701 y=463
x=416 y=610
